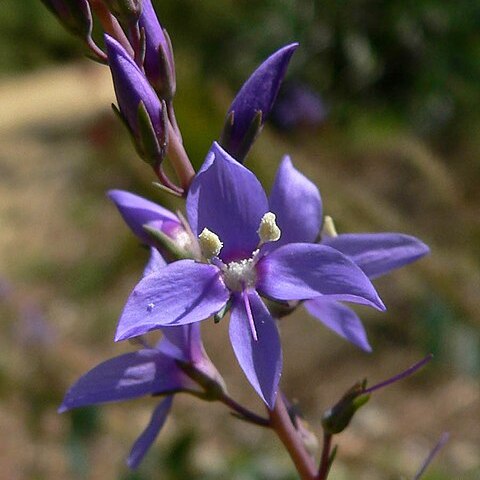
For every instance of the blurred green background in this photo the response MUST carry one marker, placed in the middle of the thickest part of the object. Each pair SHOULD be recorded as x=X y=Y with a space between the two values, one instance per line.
x=392 y=143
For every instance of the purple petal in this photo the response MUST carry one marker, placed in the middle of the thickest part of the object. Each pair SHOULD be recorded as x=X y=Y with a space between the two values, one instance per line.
x=261 y=359
x=182 y=342
x=302 y=271
x=378 y=253
x=132 y=87
x=155 y=262
x=155 y=40
x=257 y=95
x=182 y=292
x=148 y=436
x=340 y=319
x=137 y=212
x=127 y=376
x=227 y=198
x=296 y=202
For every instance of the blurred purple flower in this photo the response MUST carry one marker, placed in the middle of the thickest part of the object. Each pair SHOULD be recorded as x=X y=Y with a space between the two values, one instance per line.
x=159 y=63
x=159 y=370
x=253 y=103
x=299 y=106
x=296 y=202
x=226 y=203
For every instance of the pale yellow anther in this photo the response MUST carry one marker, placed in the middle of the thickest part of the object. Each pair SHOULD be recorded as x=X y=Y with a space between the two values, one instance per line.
x=268 y=230
x=210 y=244
x=329 y=229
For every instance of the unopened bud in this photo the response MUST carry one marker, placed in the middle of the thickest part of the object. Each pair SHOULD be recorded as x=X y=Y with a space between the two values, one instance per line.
x=75 y=15
x=210 y=244
x=337 y=418
x=268 y=230
x=140 y=108
x=159 y=64
x=253 y=103
x=127 y=11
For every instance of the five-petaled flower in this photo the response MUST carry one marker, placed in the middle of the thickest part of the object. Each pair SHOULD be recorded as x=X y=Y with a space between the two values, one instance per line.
x=226 y=201
x=178 y=363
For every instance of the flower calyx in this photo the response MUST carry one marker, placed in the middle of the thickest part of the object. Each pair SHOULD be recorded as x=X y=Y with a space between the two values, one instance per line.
x=337 y=418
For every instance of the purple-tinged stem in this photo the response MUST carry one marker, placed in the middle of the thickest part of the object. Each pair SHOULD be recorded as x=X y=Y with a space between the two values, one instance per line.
x=409 y=371
x=110 y=25
x=136 y=45
x=443 y=440
x=283 y=426
x=324 y=467
x=173 y=120
x=244 y=413
x=97 y=51
x=179 y=159
x=166 y=182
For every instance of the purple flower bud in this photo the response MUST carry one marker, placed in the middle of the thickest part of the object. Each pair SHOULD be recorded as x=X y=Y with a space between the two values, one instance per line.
x=127 y=11
x=253 y=103
x=139 y=105
x=75 y=15
x=159 y=64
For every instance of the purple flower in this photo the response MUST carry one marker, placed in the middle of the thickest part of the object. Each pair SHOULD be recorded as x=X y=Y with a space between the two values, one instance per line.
x=228 y=211
x=165 y=369
x=296 y=202
x=139 y=105
x=253 y=103
x=159 y=64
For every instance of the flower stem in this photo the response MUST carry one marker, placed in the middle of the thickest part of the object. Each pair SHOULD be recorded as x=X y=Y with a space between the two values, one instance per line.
x=283 y=426
x=110 y=25
x=244 y=413
x=179 y=159
x=325 y=460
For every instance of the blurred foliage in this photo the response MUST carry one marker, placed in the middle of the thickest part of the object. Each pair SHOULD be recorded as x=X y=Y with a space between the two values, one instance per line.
x=419 y=59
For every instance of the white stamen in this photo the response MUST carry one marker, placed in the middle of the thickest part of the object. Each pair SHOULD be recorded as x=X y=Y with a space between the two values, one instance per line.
x=328 y=228
x=210 y=244
x=240 y=275
x=268 y=230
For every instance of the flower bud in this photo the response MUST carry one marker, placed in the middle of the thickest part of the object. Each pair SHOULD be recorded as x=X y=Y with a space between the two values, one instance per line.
x=253 y=103
x=158 y=64
x=140 y=108
x=337 y=418
x=74 y=15
x=127 y=11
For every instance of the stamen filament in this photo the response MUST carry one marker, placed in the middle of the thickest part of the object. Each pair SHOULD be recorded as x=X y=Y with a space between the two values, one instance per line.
x=248 y=309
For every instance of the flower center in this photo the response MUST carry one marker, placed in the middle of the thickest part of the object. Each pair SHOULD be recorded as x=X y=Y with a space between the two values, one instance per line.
x=241 y=274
